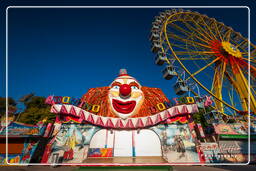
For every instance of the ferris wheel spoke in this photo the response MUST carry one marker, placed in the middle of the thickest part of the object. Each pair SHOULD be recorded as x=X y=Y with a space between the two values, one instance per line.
x=253 y=45
x=220 y=68
x=236 y=44
x=197 y=30
x=190 y=42
x=217 y=31
x=182 y=59
x=203 y=68
x=244 y=53
x=253 y=53
x=231 y=96
x=231 y=80
x=181 y=47
x=251 y=57
x=253 y=90
x=196 y=57
x=238 y=88
x=208 y=28
x=189 y=46
x=187 y=33
x=203 y=35
x=253 y=70
x=242 y=83
x=193 y=52
x=247 y=59
x=200 y=66
x=242 y=43
x=227 y=35
x=178 y=28
x=195 y=36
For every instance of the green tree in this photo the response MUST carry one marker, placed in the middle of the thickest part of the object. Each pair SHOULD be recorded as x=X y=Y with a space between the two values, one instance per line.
x=35 y=110
x=11 y=106
x=199 y=116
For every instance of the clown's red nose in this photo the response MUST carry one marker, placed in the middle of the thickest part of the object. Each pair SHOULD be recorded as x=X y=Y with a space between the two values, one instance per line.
x=125 y=90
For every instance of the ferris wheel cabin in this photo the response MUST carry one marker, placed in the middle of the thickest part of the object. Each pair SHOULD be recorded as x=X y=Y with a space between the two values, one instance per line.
x=180 y=88
x=156 y=46
x=158 y=19
x=154 y=36
x=213 y=117
x=160 y=58
x=169 y=72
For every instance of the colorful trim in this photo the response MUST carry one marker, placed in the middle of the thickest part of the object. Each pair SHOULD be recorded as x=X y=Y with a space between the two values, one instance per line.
x=79 y=115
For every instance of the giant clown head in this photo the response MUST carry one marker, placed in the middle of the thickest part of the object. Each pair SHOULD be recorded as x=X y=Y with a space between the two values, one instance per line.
x=125 y=95
x=124 y=98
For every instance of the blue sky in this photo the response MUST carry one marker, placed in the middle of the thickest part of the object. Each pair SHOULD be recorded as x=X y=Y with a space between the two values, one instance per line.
x=67 y=51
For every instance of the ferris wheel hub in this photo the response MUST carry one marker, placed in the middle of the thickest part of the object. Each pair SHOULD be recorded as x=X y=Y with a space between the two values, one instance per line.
x=231 y=49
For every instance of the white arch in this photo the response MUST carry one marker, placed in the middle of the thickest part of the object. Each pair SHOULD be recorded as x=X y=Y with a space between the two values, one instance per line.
x=102 y=139
x=146 y=142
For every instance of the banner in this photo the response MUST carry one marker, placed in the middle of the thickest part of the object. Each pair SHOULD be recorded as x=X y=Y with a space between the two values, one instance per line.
x=234 y=151
x=231 y=129
x=210 y=152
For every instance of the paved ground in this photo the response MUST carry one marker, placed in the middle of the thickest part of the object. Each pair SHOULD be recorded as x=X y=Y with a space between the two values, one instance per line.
x=126 y=160
x=175 y=168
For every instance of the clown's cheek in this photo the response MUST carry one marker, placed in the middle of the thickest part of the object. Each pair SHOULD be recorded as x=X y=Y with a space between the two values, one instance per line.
x=136 y=95
x=114 y=94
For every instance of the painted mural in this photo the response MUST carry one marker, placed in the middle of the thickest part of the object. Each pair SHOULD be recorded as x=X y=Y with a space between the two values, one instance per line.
x=12 y=158
x=117 y=120
x=20 y=129
x=100 y=152
x=28 y=151
x=71 y=143
x=24 y=141
x=178 y=144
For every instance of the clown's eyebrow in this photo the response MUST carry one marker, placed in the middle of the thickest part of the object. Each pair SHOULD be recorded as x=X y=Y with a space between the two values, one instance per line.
x=134 y=84
x=116 y=83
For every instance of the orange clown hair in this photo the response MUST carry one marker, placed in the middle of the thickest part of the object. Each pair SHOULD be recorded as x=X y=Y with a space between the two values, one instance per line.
x=99 y=96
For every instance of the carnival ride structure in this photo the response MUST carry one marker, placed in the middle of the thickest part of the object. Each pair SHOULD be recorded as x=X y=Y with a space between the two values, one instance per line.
x=128 y=122
x=214 y=57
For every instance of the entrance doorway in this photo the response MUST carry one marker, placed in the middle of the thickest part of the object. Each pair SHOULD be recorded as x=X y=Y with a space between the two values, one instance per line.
x=147 y=143
x=127 y=143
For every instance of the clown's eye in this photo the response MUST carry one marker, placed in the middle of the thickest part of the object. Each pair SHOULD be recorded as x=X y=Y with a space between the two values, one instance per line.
x=116 y=87
x=134 y=87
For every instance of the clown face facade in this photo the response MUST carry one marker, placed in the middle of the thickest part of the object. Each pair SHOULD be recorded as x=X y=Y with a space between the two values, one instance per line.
x=118 y=121
x=125 y=96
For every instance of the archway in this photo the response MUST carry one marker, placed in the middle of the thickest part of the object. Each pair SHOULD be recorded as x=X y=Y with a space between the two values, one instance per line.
x=147 y=143
x=127 y=143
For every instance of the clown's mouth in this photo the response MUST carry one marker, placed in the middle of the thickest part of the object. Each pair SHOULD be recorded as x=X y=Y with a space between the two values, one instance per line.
x=123 y=107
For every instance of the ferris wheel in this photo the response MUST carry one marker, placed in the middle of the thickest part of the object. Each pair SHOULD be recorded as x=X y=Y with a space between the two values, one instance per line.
x=213 y=55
